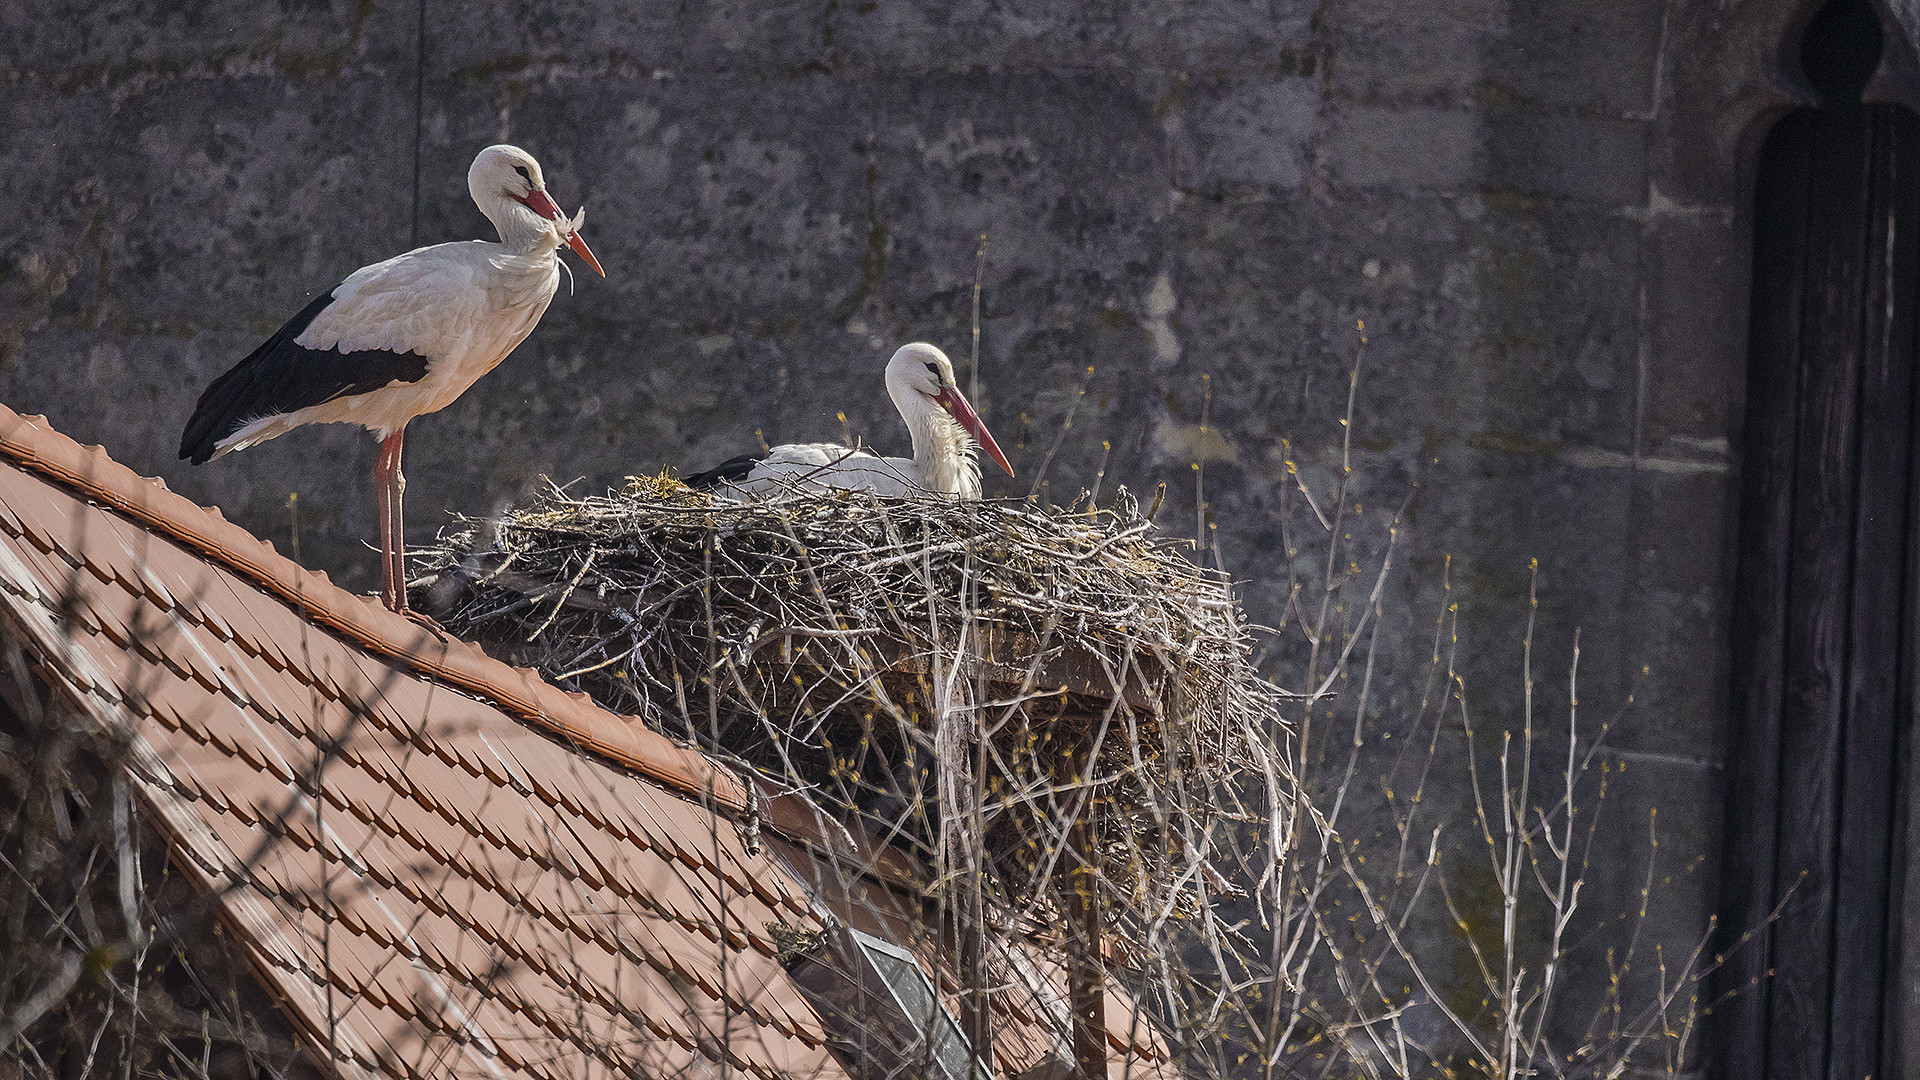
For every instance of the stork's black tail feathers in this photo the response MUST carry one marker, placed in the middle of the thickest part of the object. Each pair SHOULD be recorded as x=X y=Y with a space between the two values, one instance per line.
x=726 y=472
x=282 y=377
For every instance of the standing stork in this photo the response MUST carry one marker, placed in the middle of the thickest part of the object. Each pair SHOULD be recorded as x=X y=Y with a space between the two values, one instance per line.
x=942 y=424
x=400 y=339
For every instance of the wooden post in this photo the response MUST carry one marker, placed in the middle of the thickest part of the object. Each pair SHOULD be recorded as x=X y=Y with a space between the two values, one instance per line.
x=1077 y=889
x=1086 y=974
x=975 y=1016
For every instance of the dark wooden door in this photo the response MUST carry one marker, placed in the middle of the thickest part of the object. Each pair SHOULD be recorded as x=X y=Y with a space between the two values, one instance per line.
x=1824 y=601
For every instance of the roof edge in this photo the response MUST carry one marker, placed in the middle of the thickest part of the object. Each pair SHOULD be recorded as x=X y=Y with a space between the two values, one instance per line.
x=90 y=472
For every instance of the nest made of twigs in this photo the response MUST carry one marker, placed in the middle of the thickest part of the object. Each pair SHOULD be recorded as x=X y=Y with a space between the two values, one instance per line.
x=1073 y=662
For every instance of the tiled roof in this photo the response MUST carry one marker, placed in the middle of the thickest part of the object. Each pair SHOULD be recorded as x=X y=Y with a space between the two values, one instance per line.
x=429 y=873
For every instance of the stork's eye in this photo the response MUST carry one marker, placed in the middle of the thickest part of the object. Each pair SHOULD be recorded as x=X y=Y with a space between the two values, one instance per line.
x=933 y=369
x=524 y=174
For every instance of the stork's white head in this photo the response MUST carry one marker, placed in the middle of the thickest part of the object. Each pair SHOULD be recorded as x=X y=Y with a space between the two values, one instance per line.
x=921 y=374
x=507 y=186
x=921 y=368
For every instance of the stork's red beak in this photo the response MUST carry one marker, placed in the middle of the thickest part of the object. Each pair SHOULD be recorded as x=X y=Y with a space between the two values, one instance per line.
x=540 y=203
x=952 y=400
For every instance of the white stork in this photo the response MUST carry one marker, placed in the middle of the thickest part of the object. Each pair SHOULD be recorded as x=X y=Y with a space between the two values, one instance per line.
x=401 y=338
x=942 y=424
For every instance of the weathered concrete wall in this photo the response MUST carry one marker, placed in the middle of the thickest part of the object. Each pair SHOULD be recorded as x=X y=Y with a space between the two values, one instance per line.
x=1189 y=207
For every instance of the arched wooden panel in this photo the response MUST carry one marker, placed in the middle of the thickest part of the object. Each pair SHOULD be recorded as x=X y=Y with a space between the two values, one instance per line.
x=1824 y=598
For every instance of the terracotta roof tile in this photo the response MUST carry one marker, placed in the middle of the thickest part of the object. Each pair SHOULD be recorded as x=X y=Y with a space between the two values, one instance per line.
x=48 y=572
x=1019 y=1047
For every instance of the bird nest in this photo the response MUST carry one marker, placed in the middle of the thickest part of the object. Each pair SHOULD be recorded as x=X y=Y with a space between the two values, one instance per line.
x=912 y=661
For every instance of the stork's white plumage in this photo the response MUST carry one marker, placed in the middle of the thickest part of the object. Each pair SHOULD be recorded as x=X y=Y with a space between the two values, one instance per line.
x=939 y=419
x=401 y=338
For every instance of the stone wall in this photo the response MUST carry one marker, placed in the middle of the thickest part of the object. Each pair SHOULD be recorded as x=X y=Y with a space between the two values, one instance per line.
x=1189 y=208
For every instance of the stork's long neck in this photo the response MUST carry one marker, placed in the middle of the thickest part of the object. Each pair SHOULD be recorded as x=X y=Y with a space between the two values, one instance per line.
x=942 y=450
x=529 y=274
x=522 y=232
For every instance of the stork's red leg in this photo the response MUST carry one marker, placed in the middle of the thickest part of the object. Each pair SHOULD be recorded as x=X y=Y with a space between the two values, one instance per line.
x=389 y=485
x=392 y=484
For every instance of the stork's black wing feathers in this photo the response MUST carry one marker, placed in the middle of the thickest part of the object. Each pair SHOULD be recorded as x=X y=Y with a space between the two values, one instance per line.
x=725 y=472
x=282 y=377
